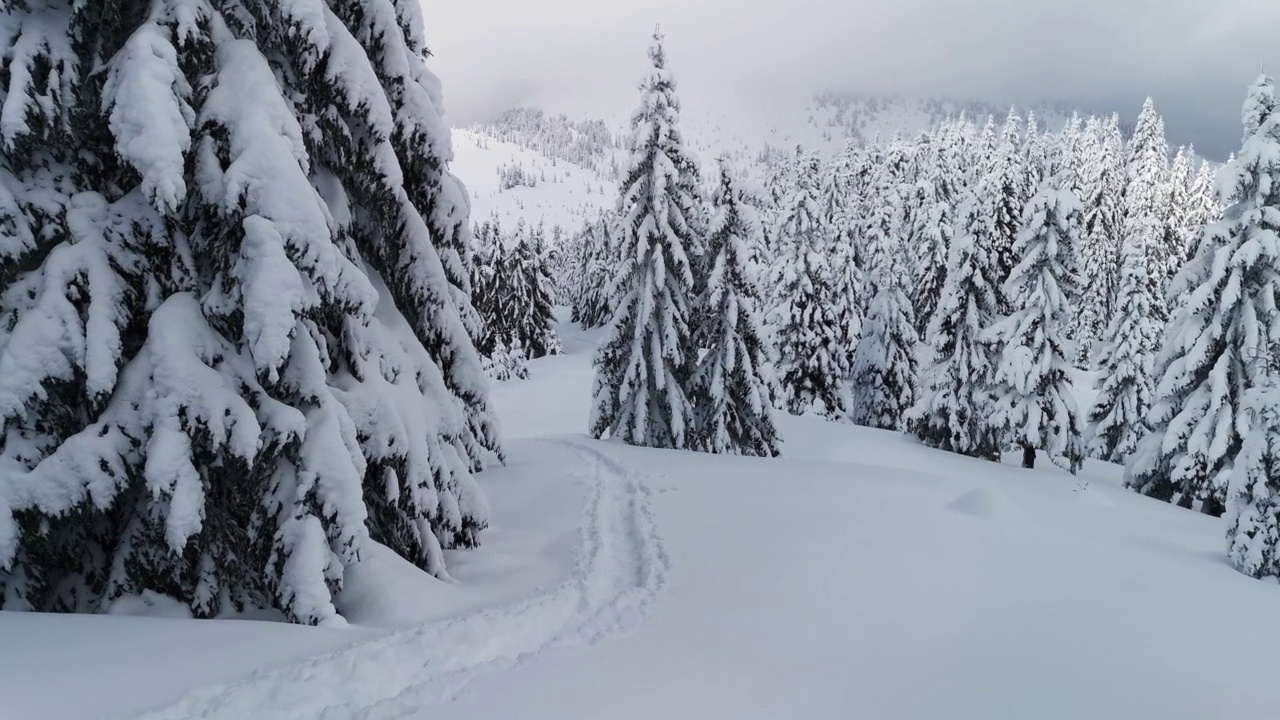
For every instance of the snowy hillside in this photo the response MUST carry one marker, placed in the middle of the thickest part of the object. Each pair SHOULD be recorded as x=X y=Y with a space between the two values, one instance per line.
x=861 y=575
x=516 y=182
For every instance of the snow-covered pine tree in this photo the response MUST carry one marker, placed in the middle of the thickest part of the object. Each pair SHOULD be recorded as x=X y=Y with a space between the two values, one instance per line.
x=1004 y=203
x=1035 y=159
x=955 y=399
x=884 y=369
x=930 y=231
x=535 y=307
x=730 y=391
x=1217 y=341
x=1176 y=231
x=803 y=322
x=1205 y=207
x=1101 y=172
x=1146 y=198
x=1035 y=406
x=838 y=228
x=1253 y=489
x=644 y=365
x=235 y=344
x=591 y=307
x=489 y=287
x=982 y=156
x=1117 y=420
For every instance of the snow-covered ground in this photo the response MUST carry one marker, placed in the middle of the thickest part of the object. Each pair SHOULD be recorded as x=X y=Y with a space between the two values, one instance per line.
x=862 y=575
x=564 y=194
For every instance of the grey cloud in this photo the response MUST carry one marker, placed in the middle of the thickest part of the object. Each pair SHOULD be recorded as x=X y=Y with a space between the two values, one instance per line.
x=1194 y=56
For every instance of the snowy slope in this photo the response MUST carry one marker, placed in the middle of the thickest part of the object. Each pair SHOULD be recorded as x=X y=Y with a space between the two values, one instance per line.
x=861 y=575
x=563 y=194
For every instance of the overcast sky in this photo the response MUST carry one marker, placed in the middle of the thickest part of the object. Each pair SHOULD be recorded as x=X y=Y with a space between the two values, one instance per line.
x=1194 y=56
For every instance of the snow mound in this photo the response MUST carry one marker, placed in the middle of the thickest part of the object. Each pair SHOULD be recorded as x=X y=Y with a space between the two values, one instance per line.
x=982 y=503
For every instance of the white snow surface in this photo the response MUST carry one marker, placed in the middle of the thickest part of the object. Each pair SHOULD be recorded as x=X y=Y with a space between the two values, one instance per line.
x=860 y=575
x=565 y=194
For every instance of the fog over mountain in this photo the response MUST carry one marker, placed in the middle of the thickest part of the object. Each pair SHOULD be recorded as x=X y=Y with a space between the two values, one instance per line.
x=1195 y=57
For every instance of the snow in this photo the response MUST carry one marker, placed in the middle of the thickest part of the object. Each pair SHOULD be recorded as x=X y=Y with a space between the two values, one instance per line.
x=565 y=194
x=887 y=581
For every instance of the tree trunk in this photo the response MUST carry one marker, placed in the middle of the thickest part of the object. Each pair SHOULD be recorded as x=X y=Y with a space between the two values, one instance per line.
x=1028 y=456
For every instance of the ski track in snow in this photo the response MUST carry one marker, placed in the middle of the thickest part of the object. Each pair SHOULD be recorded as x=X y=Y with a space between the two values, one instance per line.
x=621 y=568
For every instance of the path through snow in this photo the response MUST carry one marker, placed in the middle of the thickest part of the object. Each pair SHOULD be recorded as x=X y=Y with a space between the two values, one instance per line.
x=621 y=569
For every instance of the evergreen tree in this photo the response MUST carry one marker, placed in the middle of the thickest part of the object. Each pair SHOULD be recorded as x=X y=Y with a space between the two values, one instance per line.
x=1253 y=509
x=1117 y=419
x=932 y=226
x=1146 y=205
x=1035 y=405
x=846 y=277
x=1004 y=204
x=1100 y=176
x=954 y=405
x=1204 y=207
x=1176 y=230
x=644 y=365
x=215 y=225
x=804 y=321
x=731 y=395
x=1214 y=345
x=535 y=305
x=884 y=369
x=591 y=306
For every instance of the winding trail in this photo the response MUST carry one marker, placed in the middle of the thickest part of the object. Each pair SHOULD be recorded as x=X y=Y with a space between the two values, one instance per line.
x=621 y=568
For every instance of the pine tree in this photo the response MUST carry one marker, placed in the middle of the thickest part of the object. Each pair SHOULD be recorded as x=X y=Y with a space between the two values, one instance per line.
x=1005 y=202
x=202 y=210
x=952 y=412
x=535 y=306
x=731 y=395
x=591 y=306
x=837 y=226
x=884 y=369
x=1253 y=509
x=1035 y=405
x=1146 y=205
x=1117 y=418
x=804 y=321
x=1204 y=209
x=1100 y=177
x=1215 y=344
x=932 y=226
x=644 y=365
x=1176 y=230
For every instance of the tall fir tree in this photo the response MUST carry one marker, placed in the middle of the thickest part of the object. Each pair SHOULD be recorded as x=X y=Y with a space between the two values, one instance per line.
x=1146 y=205
x=1217 y=343
x=1176 y=221
x=536 y=308
x=884 y=369
x=1253 y=488
x=1035 y=408
x=1101 y=174
x=1205 y=207
x=1005 y=201
x=1117 y=420
x=804 y=321
x=932 y=224
x=840 y=240
x=237 y=337
x=955 y=401
x=591 y=307
x=731 y=394
x=644 y=365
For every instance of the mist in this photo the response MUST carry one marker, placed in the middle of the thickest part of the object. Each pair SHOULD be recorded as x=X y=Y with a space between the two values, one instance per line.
x=1195 y=57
